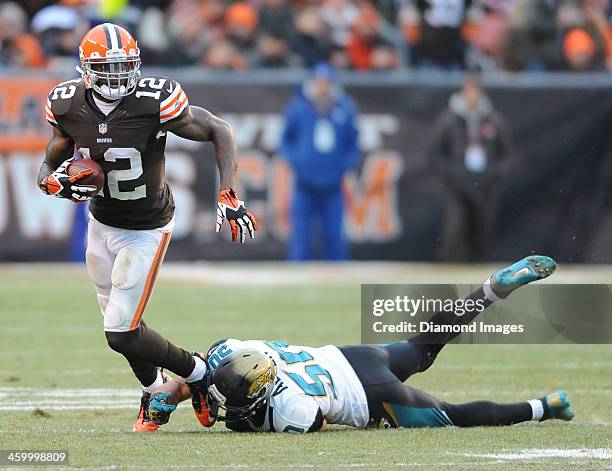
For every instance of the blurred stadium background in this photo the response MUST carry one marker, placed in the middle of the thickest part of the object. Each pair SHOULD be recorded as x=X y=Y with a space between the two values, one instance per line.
x=412 y=197
x=544 y=66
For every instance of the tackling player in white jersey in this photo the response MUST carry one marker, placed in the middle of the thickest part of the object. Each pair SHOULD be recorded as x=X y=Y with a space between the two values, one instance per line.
x=311 y=385
x=270 y=386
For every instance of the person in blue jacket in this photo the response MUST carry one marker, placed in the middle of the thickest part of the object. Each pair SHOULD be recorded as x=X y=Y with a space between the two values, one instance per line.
x=319 y=141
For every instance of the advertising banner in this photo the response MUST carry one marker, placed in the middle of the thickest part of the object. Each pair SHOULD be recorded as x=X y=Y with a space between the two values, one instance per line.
x=557 y=198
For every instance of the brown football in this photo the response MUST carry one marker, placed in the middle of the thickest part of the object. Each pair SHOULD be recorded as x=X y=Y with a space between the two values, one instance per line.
x=95 y=179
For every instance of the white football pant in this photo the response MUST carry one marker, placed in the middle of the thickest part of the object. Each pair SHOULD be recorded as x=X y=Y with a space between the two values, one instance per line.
x=123 y=265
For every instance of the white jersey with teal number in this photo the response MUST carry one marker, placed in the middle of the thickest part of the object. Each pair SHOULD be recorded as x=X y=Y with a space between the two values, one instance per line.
x=308 y=379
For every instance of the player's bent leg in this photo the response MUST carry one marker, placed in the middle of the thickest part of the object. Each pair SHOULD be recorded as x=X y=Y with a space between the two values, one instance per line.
x=403 y=356
x=407 y=358
x=403 y=406
x=128 y=279
x=146 y=344
x=139 y=258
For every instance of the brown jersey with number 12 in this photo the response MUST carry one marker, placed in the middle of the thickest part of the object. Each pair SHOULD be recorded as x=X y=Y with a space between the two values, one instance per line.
x=127 y=143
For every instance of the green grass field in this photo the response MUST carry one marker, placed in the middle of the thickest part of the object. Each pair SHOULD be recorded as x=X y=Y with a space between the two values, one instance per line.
x=53 y=356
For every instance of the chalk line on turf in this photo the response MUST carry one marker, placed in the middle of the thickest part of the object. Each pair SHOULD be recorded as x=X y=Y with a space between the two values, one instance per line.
x=24 y=399
x=543 y=454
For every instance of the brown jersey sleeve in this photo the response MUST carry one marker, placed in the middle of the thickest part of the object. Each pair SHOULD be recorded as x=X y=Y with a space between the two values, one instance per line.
x=61 y=99
x=49 y=114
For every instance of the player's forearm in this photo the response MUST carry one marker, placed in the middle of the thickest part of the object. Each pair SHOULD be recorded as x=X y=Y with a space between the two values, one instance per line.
x=199 y=124
x=59 y=149
x=226 y=153
x=46 y=169
x=177 y=388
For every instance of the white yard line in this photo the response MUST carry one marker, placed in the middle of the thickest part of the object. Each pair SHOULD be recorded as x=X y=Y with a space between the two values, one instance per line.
x=544 y=454
x=24 y=399
x=25 y=407
x=46 y=392
x=29 y=399
x=350 y=273
x=521 y=366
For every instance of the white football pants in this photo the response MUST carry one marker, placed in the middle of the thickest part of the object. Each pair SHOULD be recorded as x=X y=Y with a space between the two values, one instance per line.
x=123 y=265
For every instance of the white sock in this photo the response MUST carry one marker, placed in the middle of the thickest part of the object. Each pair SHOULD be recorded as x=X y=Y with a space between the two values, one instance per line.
x=198 y=371
x=537 y=409
x=155 y=384
x=488 y=291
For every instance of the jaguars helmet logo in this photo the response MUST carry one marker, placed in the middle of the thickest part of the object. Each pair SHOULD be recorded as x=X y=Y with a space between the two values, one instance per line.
x=262 y=382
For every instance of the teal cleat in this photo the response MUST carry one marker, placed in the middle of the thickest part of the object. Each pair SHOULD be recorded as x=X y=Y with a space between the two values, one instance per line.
x=557 y=406
x=504 y=282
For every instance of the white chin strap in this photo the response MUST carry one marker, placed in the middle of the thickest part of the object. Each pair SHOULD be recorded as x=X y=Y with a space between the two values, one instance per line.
x=112 y=93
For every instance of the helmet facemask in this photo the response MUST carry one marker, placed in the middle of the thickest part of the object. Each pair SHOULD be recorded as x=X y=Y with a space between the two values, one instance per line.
x=224 y=412
x=242 y=406
x=114 y=76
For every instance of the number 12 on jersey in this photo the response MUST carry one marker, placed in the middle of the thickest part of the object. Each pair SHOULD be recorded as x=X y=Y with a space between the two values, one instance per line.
x=114 y=177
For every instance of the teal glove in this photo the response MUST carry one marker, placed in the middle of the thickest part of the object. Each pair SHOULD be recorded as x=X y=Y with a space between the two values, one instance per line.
x=159 y=410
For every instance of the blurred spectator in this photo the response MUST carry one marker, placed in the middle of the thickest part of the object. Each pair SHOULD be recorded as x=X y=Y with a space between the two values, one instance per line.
x=17 y=48
x=587 y=35
x=320 y=143
x=339 y=15
x=223 y=55
x=389 y=10
x=486 y=32
x=580 y=51
x=154 y=38
x=241 y=22
x=31 y=7
x=191 y=30
x=272 y=52
x=276 y=19
x=339 y=58
x=521 y=35
x=440 y=44
x=471 y=148
x=60 y=29
x=366 y=48
x=532 y=39
x=311 y=41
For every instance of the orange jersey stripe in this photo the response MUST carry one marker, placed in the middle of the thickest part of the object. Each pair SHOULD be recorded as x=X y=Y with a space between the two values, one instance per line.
x=178 y=97
x=151 y=278
x=174 y=113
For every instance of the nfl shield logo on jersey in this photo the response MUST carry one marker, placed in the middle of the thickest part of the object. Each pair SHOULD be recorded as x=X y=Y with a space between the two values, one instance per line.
x=102 y=127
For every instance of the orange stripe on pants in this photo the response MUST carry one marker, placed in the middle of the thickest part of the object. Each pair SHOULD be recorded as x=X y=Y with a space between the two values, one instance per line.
x=151 y=278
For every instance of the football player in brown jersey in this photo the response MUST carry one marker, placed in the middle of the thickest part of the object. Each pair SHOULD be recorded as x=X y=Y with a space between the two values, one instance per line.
x=120 y=120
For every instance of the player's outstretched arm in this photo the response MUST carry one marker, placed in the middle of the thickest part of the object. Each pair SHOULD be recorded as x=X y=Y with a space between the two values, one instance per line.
x=52 y=176
x=198 y=124
x=164 y=400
